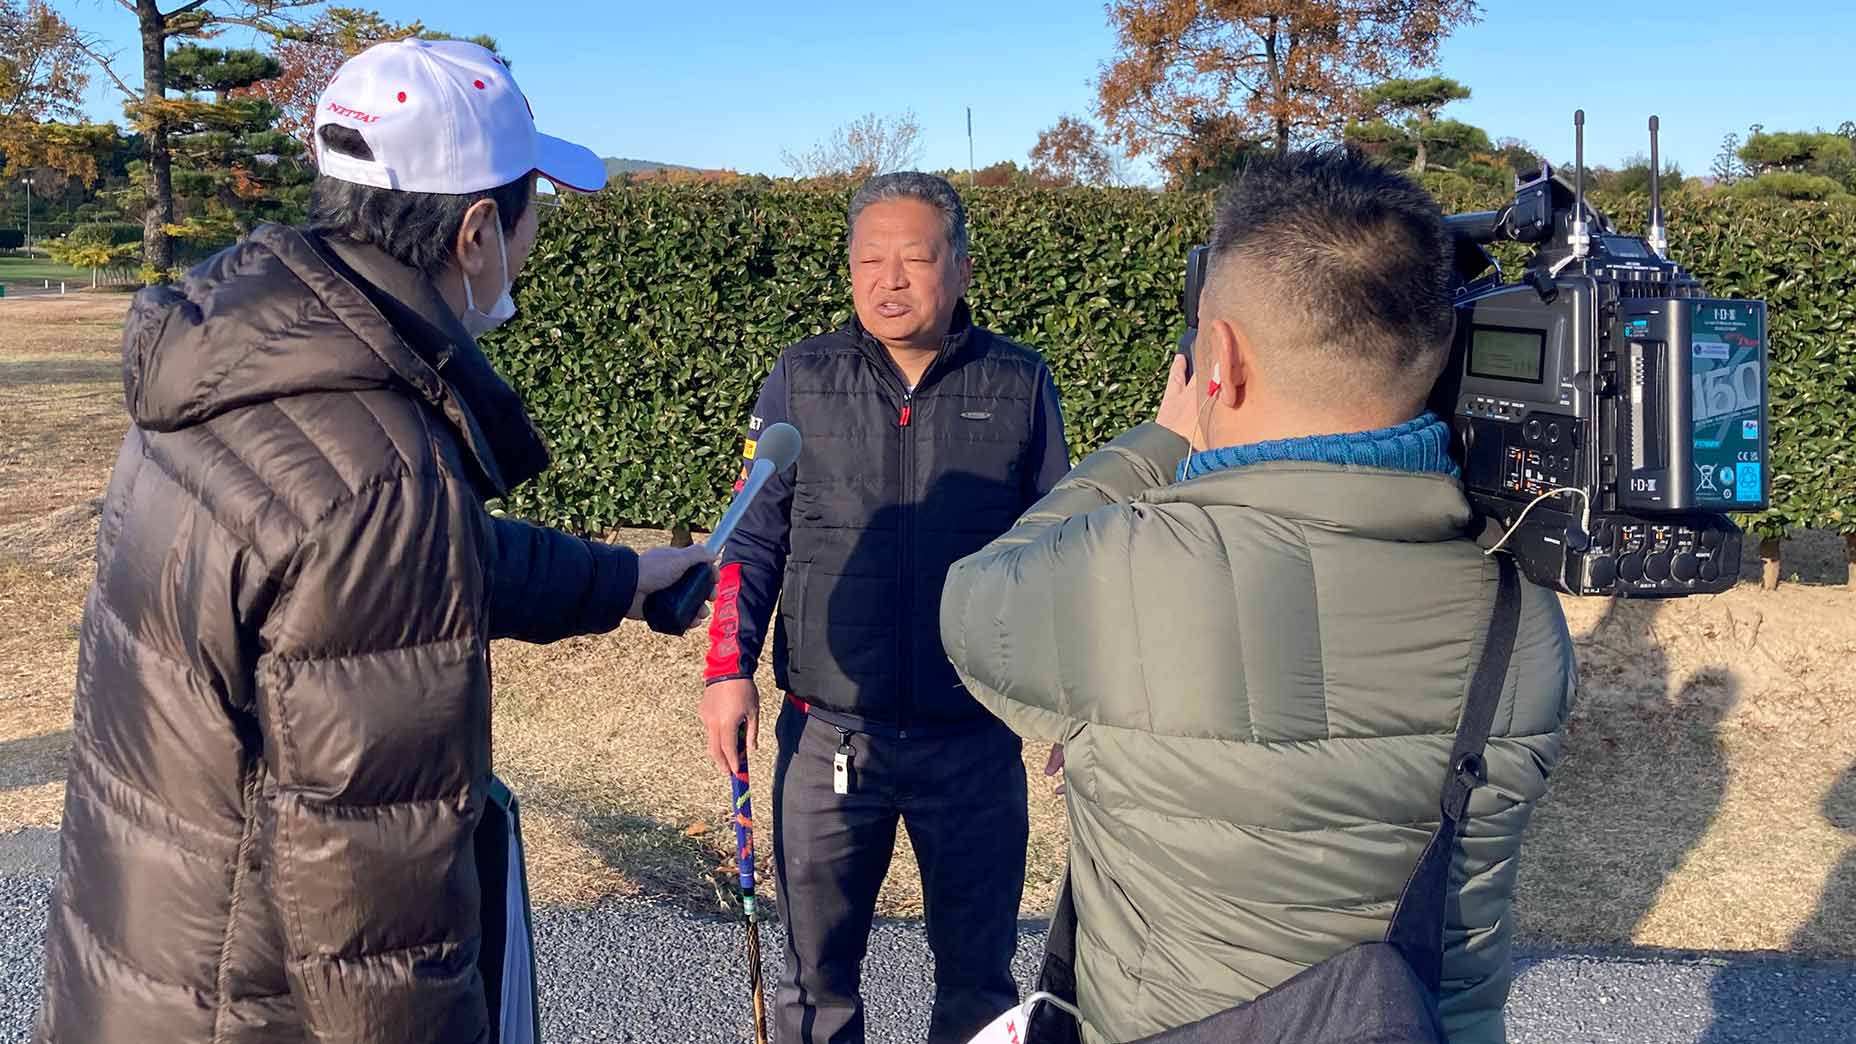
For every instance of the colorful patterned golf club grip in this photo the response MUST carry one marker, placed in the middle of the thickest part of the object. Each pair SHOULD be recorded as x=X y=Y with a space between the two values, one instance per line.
x=744 y=823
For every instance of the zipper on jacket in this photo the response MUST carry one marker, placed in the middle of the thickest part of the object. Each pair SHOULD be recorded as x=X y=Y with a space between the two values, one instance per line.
x=888 y=373
x=906 y=560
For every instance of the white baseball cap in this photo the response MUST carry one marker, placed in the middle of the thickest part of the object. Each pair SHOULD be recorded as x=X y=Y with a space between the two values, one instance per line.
x=442 y=116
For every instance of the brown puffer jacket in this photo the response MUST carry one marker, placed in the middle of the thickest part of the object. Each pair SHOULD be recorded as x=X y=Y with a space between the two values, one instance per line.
x=283 y=698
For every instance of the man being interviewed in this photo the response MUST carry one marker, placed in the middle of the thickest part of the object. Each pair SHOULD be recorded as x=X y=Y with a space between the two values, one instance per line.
x=925 y=437
x=1252 y=625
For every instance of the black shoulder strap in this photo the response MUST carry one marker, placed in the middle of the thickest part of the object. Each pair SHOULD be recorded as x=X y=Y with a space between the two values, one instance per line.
x=1418 y=924
x=1050 y=1024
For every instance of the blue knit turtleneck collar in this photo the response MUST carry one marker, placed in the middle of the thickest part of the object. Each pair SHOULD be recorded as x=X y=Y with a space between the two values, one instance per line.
x=1420 y=444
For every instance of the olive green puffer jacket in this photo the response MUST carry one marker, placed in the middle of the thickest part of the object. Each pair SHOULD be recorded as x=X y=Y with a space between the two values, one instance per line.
x=1257 y=675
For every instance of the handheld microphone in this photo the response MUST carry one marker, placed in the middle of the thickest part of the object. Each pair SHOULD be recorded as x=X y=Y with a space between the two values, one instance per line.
x=673 y=609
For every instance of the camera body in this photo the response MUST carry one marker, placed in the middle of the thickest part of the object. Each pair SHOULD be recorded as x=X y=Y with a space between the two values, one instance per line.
x=1607 y=414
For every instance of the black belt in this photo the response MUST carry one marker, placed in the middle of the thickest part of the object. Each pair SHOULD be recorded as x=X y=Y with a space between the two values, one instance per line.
x=854 y=723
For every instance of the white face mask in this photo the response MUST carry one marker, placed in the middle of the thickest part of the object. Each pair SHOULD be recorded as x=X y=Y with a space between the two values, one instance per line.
x=480 y=323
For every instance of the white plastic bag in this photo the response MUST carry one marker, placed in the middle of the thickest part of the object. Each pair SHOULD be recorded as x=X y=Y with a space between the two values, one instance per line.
x=1009 y=1027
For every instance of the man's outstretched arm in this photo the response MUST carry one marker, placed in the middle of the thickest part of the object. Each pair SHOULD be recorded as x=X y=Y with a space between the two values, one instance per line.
x=999 y=609
x=546 y=585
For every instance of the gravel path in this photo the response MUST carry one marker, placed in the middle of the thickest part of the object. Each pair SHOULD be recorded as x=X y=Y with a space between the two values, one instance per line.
x=634 y=973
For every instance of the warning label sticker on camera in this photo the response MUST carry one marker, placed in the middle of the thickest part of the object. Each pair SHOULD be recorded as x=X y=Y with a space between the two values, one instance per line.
x=1747 y=481
x=1726 y=366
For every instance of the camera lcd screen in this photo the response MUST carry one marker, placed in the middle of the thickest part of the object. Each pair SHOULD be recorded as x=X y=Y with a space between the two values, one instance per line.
x=1506 y=353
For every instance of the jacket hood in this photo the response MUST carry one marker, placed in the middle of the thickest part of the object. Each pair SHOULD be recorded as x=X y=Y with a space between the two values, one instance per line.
x=282 y=313
x=250 y=325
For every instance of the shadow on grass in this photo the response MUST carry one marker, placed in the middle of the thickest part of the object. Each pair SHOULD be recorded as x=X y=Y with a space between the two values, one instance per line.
x=1742 y=993
x=662 y=861
x=34 y=760
x=31 y=373
x=1836 y=907
x=57 y=543
x=1643 y=776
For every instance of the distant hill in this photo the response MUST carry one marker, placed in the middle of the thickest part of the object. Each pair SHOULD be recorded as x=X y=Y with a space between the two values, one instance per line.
x=615 y=165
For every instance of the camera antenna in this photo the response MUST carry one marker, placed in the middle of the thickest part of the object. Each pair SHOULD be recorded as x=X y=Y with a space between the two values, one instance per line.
x=1581 y=238
x=1659 y=241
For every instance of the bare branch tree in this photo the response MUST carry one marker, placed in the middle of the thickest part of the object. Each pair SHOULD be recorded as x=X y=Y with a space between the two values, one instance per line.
x=92 y=47
x=867 y=146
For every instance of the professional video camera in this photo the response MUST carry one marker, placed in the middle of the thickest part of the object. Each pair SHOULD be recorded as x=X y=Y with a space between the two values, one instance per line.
x=1605 y=412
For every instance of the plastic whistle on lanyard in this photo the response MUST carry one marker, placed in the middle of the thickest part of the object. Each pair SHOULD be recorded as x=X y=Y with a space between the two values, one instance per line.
x=1009 y=1028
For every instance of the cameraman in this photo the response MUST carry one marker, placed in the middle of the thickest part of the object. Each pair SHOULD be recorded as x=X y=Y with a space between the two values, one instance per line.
x=1252 y=624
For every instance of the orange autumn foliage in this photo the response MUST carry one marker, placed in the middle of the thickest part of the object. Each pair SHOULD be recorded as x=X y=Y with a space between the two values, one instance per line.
x=1282 y=70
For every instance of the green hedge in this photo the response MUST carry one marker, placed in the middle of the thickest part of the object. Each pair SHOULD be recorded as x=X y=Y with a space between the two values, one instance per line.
x=648 y=316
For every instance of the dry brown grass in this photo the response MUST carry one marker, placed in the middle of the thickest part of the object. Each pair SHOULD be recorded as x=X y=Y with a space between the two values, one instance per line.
x=60 y=421
x=1708 y=796
x=1707 y=799
x=605 y=729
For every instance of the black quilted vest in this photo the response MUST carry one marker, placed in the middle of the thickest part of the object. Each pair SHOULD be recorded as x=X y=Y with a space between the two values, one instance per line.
x=893 y=488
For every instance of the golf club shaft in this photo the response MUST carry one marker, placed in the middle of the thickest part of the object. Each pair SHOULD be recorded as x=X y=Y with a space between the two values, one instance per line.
x=759 y=1000
x=744 y=848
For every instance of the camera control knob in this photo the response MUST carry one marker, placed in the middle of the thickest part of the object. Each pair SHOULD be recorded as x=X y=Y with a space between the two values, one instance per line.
x=1532 y=429
x=1602 y=534
x=1656 y=567
x=1686 y=567
x=1553 y=433
x=1710 y=570
x=1604 y=571
x=1630 y=567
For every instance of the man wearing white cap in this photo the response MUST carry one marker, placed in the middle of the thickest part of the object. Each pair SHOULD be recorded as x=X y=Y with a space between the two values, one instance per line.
x=280 y=822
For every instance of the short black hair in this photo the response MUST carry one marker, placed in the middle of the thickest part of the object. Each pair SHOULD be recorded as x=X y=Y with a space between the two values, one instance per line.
x=932 y=189
x=1352 y=259
x=415 y=228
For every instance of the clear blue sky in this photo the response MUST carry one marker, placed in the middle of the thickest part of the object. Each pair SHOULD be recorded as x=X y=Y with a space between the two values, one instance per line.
x=729 y=83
